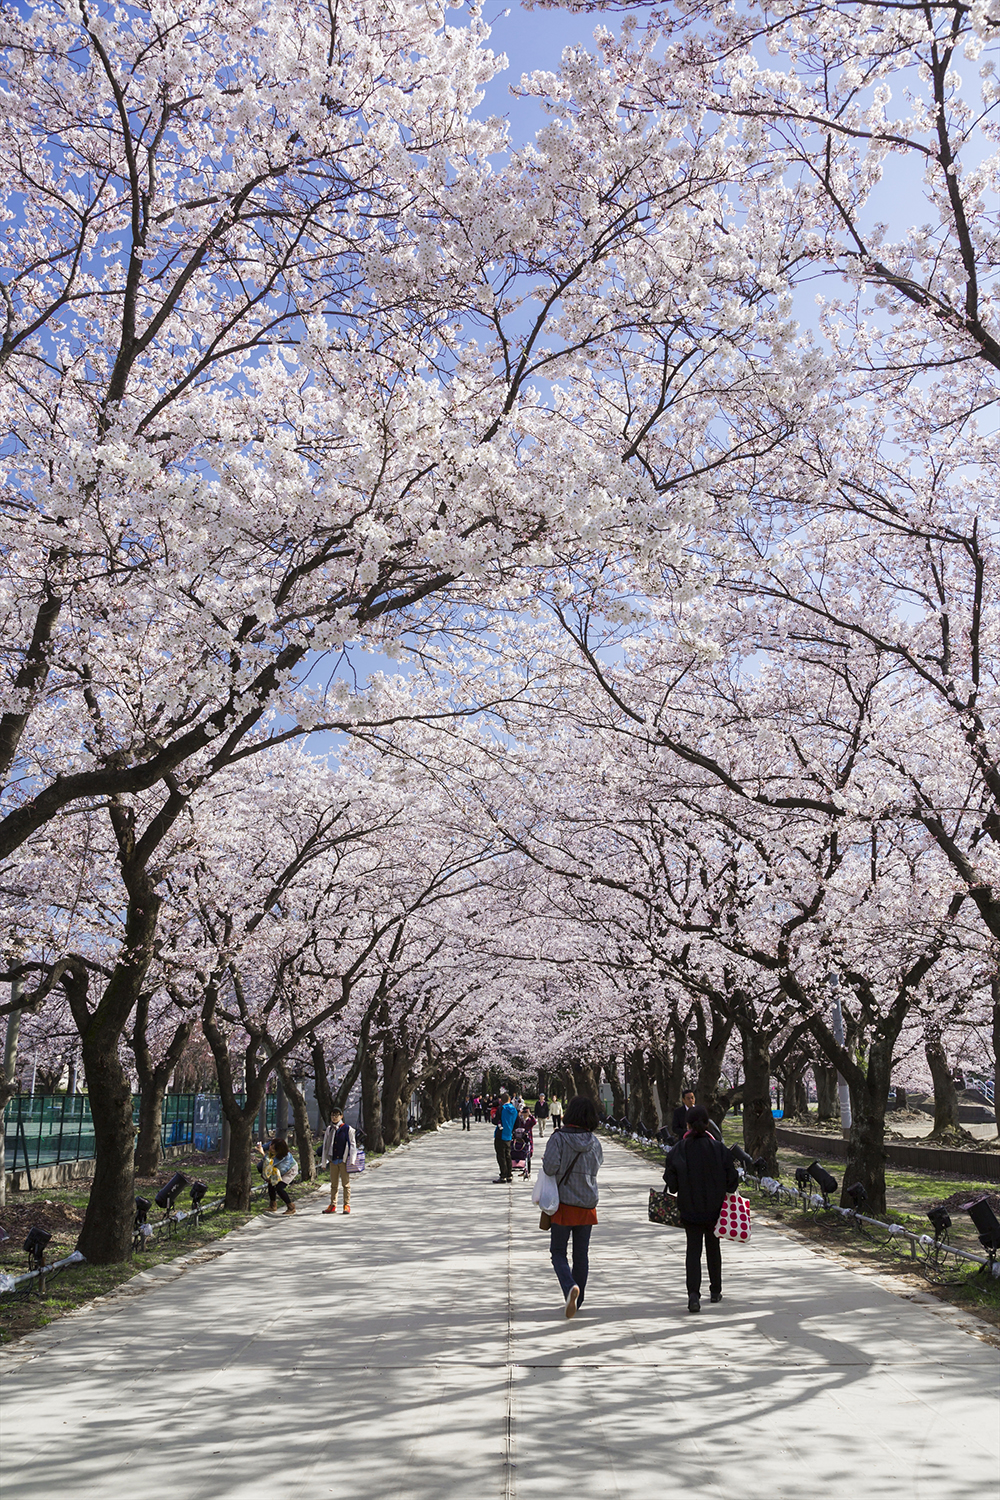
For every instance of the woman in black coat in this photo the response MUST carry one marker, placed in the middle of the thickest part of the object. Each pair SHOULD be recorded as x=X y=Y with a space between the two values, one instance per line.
x=701 y=1171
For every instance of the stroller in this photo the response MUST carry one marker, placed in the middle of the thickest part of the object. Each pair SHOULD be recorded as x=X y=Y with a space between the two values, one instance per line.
x=522 y=1145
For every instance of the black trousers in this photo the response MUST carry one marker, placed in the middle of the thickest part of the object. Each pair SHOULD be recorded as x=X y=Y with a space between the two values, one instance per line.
x=504 y=1161
x=698 y=1235
x=465 y=1122
x=278 y=1190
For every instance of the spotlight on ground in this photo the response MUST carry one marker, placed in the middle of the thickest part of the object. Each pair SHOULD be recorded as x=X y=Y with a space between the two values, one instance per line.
x=35 y=1245
x=167 y=1195
x=941 y=1219
x=824 y=1180
x=802 y=1179
x=744 y=1158
x=142 y=1207
x=198 y=1191
x=858 y=1194
x=988 y=1225
x=759 y=1166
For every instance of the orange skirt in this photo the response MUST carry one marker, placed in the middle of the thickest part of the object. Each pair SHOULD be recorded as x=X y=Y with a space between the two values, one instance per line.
x=569 y=1216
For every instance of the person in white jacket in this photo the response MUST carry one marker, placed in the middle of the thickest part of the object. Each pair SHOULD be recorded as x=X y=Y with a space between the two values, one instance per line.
x=340 y=1149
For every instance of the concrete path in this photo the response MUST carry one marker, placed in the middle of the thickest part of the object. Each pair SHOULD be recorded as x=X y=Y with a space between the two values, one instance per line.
x=417 y=1351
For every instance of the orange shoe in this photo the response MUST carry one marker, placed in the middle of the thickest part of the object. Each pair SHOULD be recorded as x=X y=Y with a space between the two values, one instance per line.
x=347 y=1208
x=331 y=1210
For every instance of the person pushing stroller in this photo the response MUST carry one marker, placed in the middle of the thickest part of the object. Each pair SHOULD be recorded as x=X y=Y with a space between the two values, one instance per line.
x=523 y=1142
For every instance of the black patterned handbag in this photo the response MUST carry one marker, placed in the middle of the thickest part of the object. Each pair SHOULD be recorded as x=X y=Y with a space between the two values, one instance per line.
x=663 y=1208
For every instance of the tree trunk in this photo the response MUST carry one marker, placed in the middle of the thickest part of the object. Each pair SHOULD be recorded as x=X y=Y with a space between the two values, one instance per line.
x=945 y=1092
x=153 y=1080
x=371 y=1102
x=710 y=1072
x=866 y=1155
x=640 y=1088
x=149 y=1144
x=615 y=1085
x=239 y=1165
x=660 y=1062
x=300 y=1115
x=827 y=1101
x=106 y=1236
x=796 y=1101
x=586 y=1081
x=321 y=1082
x=281 y=1113
x=8 y=1086
x=995 y=991
x=434 y=1090
x=678 y=1062
x=729 y=1099
x=240 y=1118
x=759 y=1138
x=395 y=1079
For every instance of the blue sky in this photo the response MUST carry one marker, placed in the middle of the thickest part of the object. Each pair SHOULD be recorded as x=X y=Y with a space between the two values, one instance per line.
x=532 y=39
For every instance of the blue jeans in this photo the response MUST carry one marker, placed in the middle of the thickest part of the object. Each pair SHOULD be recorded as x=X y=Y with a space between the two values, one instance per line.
x=558 y=1248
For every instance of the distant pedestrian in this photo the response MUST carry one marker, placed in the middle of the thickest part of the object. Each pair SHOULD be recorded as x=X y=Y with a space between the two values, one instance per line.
x=572 y=1157
x=701 y=1171
x=466 y=1113
x=477 y=1104
x=503 y=1137
x=556 y=1110
x=679 y=1119
x=340 y=1149
x=279 y=1168
x=541 y=1113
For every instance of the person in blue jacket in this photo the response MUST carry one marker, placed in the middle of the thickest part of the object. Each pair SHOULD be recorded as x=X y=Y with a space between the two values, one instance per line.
x=506 y=1120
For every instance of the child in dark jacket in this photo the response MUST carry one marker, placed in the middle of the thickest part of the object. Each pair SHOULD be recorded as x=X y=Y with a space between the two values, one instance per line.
x=701 y=1171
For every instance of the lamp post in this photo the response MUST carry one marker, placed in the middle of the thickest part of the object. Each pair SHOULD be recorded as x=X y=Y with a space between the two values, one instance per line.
x=843 y=1089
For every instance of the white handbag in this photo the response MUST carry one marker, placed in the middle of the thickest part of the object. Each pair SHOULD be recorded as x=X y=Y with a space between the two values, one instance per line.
x=545 y=1192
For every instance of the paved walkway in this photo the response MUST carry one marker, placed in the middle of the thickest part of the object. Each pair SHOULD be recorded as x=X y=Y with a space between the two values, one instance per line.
x=417 y=1351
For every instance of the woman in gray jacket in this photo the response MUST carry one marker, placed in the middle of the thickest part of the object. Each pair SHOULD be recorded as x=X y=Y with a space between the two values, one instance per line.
x=572 y=1157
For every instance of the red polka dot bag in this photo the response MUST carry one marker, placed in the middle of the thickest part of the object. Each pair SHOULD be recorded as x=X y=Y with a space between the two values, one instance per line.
x=734 y=1220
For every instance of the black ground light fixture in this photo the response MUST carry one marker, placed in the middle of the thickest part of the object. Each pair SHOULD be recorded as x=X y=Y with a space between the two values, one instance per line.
x=824 y=1180
x=141 y=1230
x=759 y=1166
x=744 y=1158
x=35 y=1245
x=802 y=1179
x=988 y=1225
x=167 y=1195
x=941 y=1219
x=858 y=1194
x=198 y=1191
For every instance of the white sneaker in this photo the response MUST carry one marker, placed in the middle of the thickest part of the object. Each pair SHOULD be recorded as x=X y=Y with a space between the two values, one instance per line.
x=571 y=1301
